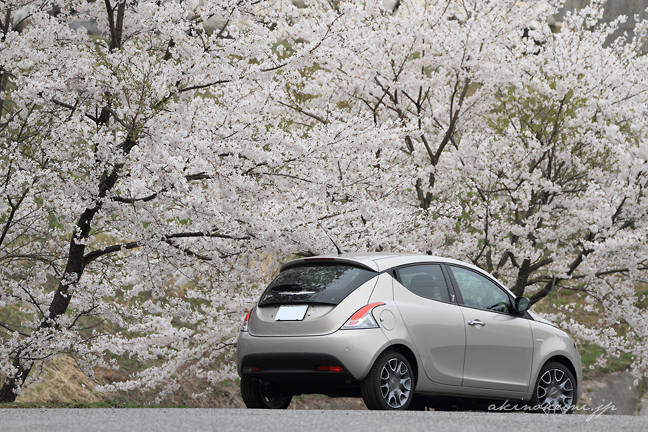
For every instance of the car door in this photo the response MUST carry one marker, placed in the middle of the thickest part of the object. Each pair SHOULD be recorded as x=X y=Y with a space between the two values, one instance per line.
x=433 y=320
x=499 y=343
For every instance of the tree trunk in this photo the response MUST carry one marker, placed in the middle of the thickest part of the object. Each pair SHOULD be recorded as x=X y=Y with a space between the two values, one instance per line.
x=7 y=392
x=73 y=272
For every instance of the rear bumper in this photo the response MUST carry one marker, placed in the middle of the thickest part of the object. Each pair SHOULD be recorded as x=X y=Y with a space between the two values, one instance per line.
x=293 y=360
x=297 y=373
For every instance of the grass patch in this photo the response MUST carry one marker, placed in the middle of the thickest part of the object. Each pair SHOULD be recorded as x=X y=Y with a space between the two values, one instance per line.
x=590 y=353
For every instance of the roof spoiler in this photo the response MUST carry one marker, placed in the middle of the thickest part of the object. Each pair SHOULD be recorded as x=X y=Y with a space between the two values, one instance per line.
x=327 y=260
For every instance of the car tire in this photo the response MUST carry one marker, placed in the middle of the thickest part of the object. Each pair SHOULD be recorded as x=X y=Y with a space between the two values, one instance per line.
x=389 y=384
x=554 y=390
x=256 y=396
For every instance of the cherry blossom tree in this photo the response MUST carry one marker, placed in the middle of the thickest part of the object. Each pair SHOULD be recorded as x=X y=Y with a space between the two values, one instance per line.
x=145 y=187
x=520 y=150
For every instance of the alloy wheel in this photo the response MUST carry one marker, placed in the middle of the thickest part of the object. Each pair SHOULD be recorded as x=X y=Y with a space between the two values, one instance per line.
x=555 y=391
x=395 y=383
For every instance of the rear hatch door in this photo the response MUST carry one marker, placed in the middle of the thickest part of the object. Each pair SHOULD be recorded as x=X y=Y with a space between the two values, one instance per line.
x=311 y=299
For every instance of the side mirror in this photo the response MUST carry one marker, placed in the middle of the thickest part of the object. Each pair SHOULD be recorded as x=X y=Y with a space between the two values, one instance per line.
x=522 y=304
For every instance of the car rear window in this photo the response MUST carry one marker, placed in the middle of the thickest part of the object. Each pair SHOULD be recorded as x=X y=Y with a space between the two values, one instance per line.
x=329 y=284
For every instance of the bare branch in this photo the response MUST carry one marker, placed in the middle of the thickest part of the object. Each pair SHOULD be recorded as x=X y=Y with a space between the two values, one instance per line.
x=34 y=257
x=10 y=218
x=13 y=330
x=328 y=31
x=189 y=252
x=609 y=272
x=311 y=115
x=91 y=256
x=84 y=313
x=190 y=177
x=540 y=264
x=617 y=213
x=289 y=176
x=579 y=259
x=544 y=291
x=198 y=176
x=64 y=105
x=134 y=200
x=202 y=86
x=274 y=68
x=454 y=116
x=189 y=88
x=201 y=234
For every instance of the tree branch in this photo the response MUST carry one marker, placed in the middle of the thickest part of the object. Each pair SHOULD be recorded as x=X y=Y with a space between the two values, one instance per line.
x=609 y=272
x=82 y=314
x=579 y=259
x=544 y=291
x=188 y=251
x=91 y=256
x=540 y=264
x=454 y=116
x=289 y=176
x=14 y=208
x=190 y=177
x=617 y=213
x=134 y=200
x=202 y=86
x=34 y=257
x=189 y=88
x=313 y=116
x=13 y=330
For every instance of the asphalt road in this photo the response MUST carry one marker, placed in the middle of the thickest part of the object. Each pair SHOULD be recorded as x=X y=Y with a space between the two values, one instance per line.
x=162 y=420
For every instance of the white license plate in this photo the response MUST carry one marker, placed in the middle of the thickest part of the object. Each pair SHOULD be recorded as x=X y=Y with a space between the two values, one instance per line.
x=291 y=313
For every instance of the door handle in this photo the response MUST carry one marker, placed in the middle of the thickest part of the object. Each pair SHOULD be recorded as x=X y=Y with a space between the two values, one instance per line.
x=477 y=323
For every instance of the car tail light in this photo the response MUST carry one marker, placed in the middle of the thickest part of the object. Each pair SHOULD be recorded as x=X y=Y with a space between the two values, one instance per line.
x=363 y=319
x=255 y=369
x=245 y=323
x=330 y=368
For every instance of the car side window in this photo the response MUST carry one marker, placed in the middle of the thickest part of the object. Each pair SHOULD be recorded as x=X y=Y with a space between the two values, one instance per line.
x=479 y=292
x=425 y=280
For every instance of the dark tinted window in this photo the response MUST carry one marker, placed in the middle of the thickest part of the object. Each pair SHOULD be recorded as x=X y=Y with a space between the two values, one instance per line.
x=425 y=280
x=328 y=284
x=478 y=291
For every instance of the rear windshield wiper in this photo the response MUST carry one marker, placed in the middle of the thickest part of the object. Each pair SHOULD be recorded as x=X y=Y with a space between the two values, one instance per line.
x=291 y=289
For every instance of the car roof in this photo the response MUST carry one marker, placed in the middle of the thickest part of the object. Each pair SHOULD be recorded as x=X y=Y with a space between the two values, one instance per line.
x=377 y=261
x=382 y=261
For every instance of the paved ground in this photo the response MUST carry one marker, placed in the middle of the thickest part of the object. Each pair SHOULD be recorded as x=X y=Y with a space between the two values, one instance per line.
x=162 y=420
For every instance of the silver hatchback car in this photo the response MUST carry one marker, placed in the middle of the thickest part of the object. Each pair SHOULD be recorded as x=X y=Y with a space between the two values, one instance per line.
x=402 y=331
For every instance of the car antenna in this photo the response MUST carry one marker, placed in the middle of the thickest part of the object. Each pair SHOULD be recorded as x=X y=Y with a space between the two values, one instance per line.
x=327 y=235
